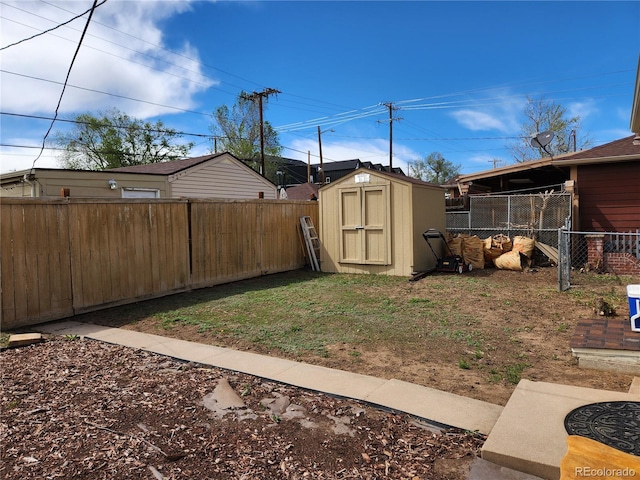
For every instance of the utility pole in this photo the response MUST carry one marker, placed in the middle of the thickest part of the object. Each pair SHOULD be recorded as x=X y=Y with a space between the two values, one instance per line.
x=260 y=95
x=320 y=148
x=391 y=108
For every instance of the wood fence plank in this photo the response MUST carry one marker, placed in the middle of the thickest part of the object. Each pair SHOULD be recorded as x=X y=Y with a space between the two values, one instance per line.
x=7 y=271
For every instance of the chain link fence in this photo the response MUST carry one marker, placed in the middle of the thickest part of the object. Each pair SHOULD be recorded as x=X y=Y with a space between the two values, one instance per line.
x=596 y=252
x=531 y=215
x=547 y=218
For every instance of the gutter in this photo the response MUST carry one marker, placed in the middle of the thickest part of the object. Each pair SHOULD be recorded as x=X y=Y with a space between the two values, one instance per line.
x=588 y=161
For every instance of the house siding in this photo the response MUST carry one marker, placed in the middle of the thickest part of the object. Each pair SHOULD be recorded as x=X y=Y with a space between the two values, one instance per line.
x=85 y=184
x=222 y=179
x=609 y=197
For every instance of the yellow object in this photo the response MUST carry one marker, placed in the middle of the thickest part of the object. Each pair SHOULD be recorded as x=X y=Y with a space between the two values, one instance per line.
x=588 y=459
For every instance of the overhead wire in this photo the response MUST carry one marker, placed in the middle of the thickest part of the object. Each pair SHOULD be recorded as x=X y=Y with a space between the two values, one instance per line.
x=50 y=29
x=335 y=120
x=86 y=27
x=197 y=61
x=124 y=97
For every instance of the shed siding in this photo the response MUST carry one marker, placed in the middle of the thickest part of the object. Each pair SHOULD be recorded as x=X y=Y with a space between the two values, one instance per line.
x=429 y=211
x=412 y=209
x=222 y=179
x=609 y=197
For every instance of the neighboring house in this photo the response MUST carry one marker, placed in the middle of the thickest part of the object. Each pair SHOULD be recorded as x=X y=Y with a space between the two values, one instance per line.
x=604 y=180
x=305 y=191
x=335 y=170
x=292 y=172
x=210 y=176
x=57 y=182
x=635 y=107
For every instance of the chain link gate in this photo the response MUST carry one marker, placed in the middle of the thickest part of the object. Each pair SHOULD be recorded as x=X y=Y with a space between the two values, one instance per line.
x=564 y=256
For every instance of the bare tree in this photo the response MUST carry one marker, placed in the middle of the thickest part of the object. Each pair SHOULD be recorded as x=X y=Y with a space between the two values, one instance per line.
x=546 y=115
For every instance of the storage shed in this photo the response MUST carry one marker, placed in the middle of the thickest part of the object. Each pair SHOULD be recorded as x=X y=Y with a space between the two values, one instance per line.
x=373 y=221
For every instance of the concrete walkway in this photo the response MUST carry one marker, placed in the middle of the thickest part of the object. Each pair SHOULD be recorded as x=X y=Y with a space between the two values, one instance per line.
x=433 y=405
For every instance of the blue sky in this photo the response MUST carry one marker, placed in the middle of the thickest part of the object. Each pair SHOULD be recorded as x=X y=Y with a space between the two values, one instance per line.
x=458 y=72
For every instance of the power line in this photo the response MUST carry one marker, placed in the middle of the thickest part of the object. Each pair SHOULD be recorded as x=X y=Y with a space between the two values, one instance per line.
x=80 y=122
x=105 y=93
x=86 y=27
x=50 y=29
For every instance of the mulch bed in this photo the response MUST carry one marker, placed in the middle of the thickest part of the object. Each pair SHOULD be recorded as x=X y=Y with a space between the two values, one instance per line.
x=75 y=408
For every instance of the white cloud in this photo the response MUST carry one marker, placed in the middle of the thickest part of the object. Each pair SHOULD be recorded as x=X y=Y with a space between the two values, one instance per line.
x=482 y=162
x=500 y=111
x=474 y=120
x=582 y=109
x=134 y=65
x=15 y=159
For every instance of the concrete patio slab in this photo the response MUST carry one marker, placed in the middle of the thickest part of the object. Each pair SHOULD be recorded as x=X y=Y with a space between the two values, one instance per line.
x=443 y=407
x=529 y=436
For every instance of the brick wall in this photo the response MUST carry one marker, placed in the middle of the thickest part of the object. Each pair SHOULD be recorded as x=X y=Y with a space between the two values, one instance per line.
x=610 y=262
x=621 y=264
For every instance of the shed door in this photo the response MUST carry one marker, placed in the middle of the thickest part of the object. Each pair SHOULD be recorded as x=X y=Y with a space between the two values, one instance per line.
x=364 y=225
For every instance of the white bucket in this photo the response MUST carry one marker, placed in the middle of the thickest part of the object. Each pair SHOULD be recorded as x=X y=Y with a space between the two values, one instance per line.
x=633 y=292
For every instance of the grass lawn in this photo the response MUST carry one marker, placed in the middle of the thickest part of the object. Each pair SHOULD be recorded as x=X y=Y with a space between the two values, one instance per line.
x=475 y=334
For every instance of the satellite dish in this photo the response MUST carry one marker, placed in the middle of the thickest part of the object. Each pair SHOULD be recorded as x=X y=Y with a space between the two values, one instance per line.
x=542 y=139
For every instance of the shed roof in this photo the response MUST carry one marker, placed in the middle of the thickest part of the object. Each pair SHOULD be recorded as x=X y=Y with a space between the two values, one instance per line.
x=394 y=176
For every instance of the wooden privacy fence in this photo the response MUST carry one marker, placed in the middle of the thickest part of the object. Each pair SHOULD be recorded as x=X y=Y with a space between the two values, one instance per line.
x=62 y=257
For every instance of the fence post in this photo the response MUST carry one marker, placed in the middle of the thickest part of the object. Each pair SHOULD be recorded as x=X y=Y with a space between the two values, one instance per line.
x=564 y=256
